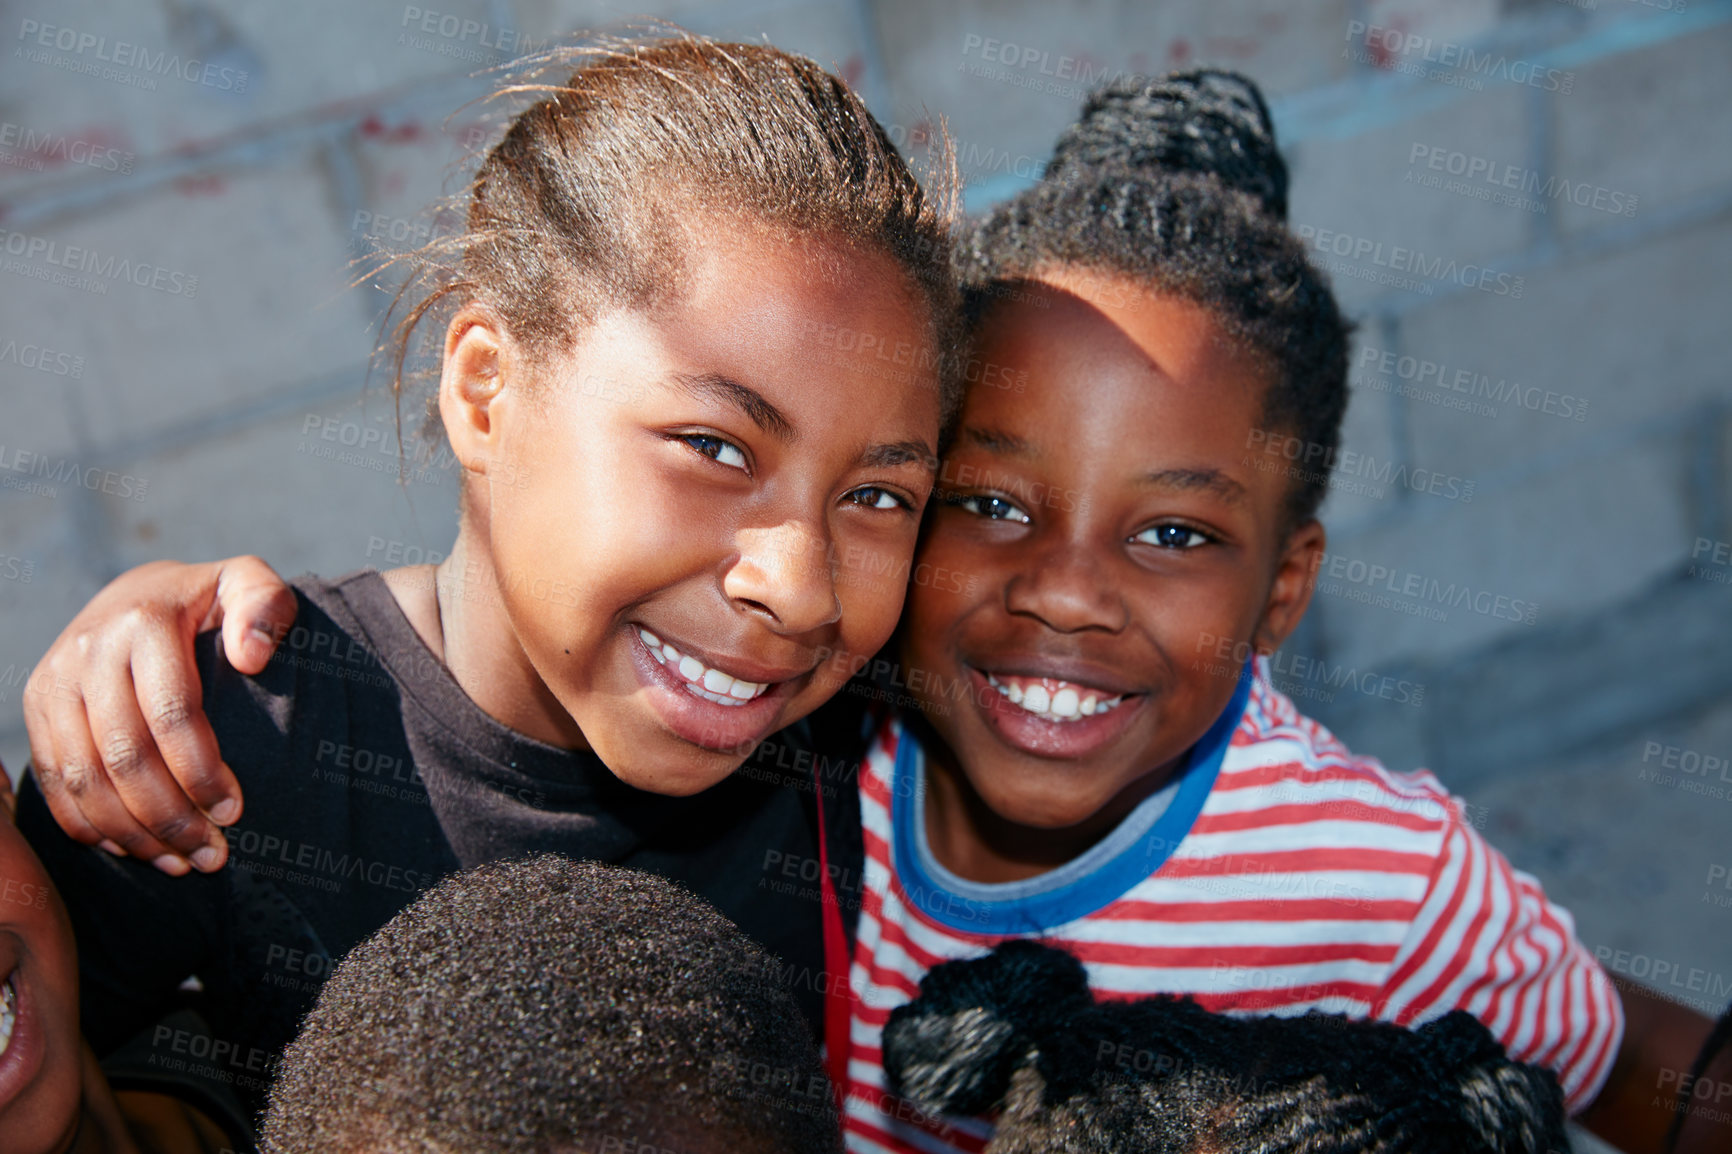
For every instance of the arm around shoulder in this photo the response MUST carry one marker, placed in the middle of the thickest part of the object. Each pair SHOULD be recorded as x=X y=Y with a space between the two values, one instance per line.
x=121 y=747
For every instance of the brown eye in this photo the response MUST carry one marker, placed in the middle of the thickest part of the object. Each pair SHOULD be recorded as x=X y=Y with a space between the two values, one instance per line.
x=873 y=497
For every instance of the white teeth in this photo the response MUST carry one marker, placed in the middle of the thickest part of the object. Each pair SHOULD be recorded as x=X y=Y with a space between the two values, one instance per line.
x=1064 y=703
x=8 y=1014
x=701 y=680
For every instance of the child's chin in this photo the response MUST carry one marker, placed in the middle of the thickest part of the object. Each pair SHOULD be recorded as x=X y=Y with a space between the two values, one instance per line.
x=681 y=776
x=1042 y=808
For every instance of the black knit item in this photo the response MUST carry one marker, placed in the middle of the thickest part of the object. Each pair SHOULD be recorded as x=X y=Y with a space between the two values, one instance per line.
x=1019 y=1030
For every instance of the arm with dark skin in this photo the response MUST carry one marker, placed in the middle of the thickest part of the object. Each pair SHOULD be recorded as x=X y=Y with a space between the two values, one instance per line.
x=1634 y=1111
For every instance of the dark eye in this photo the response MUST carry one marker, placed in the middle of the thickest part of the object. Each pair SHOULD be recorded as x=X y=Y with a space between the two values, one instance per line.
x=873 y=497
x=716 y=449
x=1173 y=537
x=991 y=507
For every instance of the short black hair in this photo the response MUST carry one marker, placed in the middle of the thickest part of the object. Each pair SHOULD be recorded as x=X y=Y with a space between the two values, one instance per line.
x=1178 y=184
x=550 y=1005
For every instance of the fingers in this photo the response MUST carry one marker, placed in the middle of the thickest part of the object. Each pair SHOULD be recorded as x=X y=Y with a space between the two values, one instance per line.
x=168 y=693
x=151 y=800
x=79 y=792
x=256 y=609
x=122 y=749
x=54 y=724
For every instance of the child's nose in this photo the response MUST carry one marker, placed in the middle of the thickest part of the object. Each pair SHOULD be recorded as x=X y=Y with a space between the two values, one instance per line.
x=1067 y=589
x=784 y=572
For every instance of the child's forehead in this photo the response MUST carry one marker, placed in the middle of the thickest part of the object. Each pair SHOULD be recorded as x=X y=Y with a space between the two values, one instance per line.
x=1072 y=296
x=1086 y=331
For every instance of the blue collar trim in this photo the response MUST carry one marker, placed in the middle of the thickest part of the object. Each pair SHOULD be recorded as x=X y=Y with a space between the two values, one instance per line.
x=1042 y=912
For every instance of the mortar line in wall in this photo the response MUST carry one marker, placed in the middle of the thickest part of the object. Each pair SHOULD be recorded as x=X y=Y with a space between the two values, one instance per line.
x=1354 y=106
x=1299 y=117
x=1678 y=423
x=252 y=147
x=1369 y=98
x=264 y=144
x=874 y=72
x=348 y=192
x=221 y=423
x=1400 y=407
x=503 y=14
x=96 y=549
x=1596 y=242
x=1360 y=11
x=1538 y=111
x=1706 y=480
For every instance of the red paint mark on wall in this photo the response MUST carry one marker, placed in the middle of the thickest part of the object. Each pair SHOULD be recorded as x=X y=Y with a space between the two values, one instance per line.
x=375 y=128
x=1232 y=47
x=210 y=184
x=98 y=147
x=1381 y=56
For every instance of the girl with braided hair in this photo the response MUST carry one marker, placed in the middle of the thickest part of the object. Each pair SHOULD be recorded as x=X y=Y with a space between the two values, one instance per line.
x=1118 y=774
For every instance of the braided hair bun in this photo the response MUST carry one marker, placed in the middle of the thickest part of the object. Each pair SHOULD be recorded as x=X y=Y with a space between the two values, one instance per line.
x=1177 y=185
x=1209 y=122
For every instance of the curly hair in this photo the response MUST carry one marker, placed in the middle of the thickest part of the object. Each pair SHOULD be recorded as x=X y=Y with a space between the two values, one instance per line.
x=1178 y=185
x=545 y=1005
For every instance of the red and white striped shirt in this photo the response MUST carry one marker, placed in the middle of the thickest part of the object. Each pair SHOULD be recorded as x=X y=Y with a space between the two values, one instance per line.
x=1282 y=874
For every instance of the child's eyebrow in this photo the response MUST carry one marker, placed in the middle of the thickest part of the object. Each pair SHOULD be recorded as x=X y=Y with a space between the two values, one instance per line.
x=748 y=400
x=1213 y=480
x=900 y=453
x=1000 y=442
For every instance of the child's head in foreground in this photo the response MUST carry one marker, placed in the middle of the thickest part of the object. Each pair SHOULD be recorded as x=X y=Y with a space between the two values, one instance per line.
x=700 y=345
x=557 y=1007
x=1149 y=324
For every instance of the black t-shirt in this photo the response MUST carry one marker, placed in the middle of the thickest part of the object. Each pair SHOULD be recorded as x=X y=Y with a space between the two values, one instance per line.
x=367 y=775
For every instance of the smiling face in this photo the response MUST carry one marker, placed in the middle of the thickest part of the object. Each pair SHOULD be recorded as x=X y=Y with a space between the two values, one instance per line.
x=1112 y=535
x=40 y=1084
x=701 y=519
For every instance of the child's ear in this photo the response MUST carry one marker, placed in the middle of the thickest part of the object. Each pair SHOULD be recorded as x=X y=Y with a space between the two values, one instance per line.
x=1290 y=592
x=471 y=384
